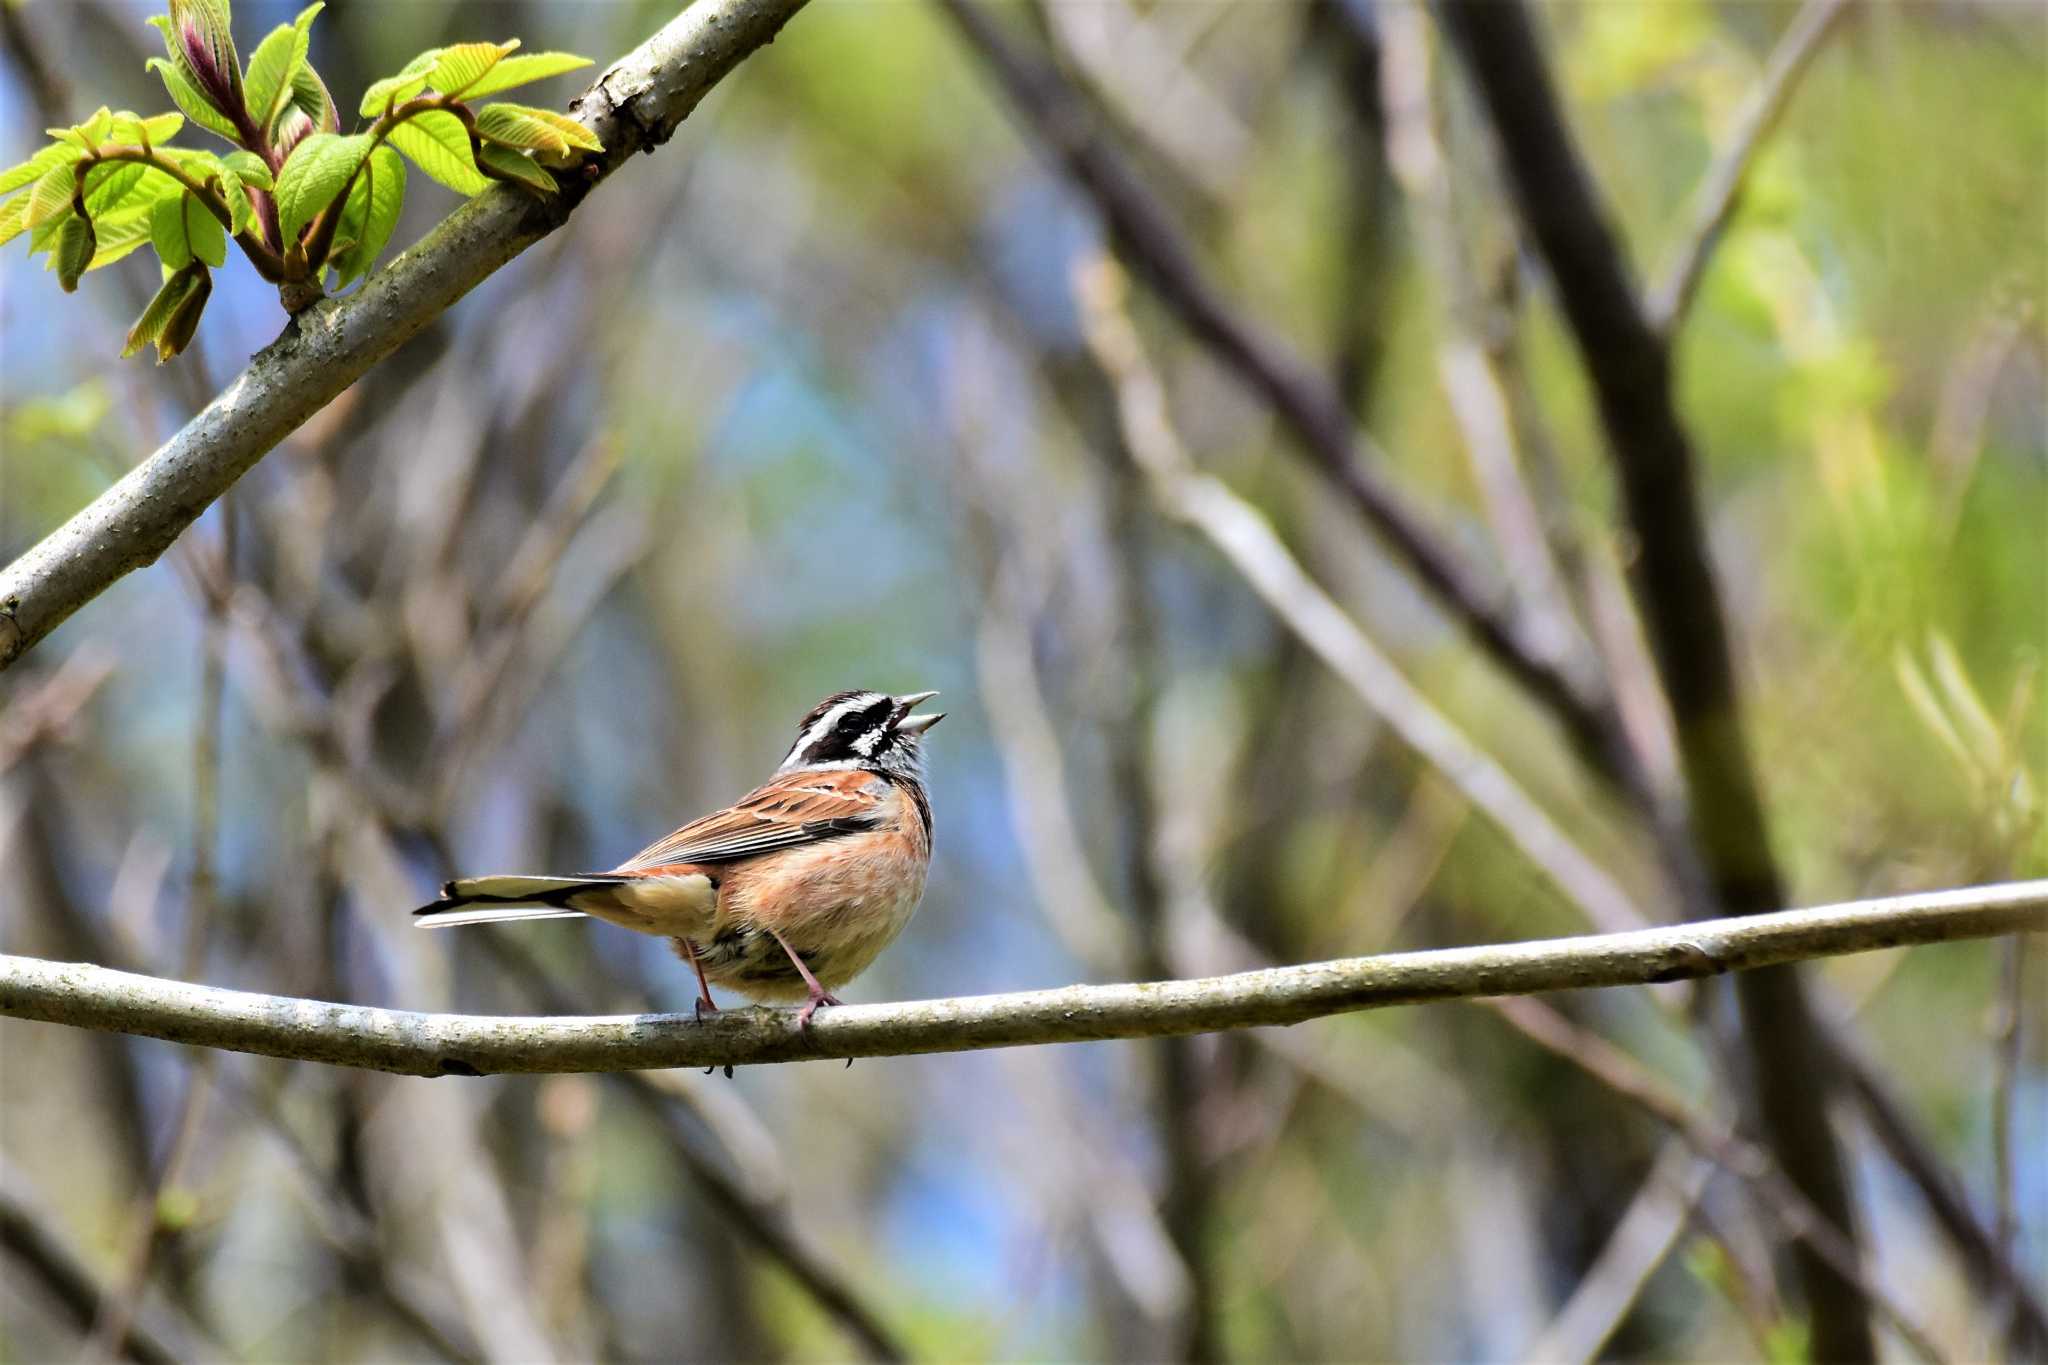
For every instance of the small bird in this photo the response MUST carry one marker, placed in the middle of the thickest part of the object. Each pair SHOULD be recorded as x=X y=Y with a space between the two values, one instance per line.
x=789 y=892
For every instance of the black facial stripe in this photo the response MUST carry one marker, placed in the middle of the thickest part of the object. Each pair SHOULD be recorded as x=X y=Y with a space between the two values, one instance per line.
x=839 y=742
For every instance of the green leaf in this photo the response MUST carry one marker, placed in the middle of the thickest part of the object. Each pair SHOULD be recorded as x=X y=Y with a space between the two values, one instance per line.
x=541 y=130
x=186 y=96
x=108 y=183
x=150 y=325
x=439 y=145
x=369 y=216
x=182 y=229
x=52 y=194
x=196 y=162
x=75 y=246
x=240 y=210
x=132 y=130
x=119 y=233
x=167 y=231
x=33 y=169
x=380 y=97
x=319 y=170
x=184 y=319
x=516 y=166
x=93 y=131
x=533 y=66
x=250 y=169
x=43 y=236
x=172 y=315
x=208 y=238
x=463 y=65
x=11 y=220
x=272 y=65
x=310 y=97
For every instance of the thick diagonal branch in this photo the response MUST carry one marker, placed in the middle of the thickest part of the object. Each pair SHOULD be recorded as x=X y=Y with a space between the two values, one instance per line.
x=468 y=1045
x=634 y=107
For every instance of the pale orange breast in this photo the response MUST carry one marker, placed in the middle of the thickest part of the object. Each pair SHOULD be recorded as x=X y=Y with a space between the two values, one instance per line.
x=839 y=903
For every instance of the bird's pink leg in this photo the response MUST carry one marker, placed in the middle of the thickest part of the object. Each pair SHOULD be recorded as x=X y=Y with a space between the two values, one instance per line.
x=819 y=995
x=705 y=1004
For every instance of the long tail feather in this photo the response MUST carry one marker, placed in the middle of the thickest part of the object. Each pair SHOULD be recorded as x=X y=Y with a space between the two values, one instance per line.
x=486 y=900
x=427 y=917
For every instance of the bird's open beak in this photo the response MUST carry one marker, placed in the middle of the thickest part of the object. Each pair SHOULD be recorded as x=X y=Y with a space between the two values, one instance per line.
x=915 y=725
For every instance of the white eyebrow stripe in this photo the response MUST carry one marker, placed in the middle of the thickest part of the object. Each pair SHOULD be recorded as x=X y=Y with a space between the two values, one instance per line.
x=822 y=726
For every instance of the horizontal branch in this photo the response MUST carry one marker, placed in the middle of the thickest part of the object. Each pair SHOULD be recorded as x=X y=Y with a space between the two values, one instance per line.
x=633 y=107
x=467 y=1045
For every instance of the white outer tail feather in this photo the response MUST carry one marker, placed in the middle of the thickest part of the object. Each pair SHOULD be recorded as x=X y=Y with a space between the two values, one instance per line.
x=487 y=900
x=491 y=914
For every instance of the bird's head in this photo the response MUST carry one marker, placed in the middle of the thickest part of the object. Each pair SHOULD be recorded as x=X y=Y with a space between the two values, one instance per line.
x=863 y=730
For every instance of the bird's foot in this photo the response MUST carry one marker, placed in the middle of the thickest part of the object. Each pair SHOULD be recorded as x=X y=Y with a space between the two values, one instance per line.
x=705 y=1005
x=818 y=997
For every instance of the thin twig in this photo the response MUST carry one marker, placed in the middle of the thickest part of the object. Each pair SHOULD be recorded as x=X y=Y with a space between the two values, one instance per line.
x=1721 y=190
x=408 y=1043
x=45 y=709
x=29 y=1237
x=1990 y=1261
x=1642 y=1240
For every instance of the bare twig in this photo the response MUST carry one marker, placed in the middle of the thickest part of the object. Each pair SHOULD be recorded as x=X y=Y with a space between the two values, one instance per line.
x=1642 y=1239
x=1988 y=1258
x=46 y=708
x=1073 y=901
x=407 y=1043
x=635 y=106
x=27 y=1236
x=1721 y=190
x=1135 y=69
x=1629 y=367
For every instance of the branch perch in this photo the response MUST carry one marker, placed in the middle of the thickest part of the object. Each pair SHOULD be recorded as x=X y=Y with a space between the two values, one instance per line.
x=634 y=106
x=467 y=1045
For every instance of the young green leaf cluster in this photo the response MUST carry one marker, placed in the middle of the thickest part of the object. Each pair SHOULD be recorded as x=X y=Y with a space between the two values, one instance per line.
x=310 y=206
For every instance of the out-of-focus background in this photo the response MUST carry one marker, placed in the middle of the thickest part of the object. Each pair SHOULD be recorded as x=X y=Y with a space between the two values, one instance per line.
x=803 y=403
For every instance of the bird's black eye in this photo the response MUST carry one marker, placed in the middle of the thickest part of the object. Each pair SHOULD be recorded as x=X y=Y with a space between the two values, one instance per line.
x=854 y=724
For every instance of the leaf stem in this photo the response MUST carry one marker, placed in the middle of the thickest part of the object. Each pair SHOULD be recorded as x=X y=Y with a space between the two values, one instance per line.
x=320 y=238
x=267 y=262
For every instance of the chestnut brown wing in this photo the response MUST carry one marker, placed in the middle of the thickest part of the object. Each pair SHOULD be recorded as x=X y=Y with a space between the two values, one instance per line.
x=801 y=808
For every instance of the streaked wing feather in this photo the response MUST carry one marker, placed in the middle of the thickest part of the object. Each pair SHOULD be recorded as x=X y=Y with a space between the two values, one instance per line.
x=800 y=809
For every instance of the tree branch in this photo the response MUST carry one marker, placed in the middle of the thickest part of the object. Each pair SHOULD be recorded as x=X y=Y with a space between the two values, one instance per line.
x=635 y=106
x=465 y=1045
